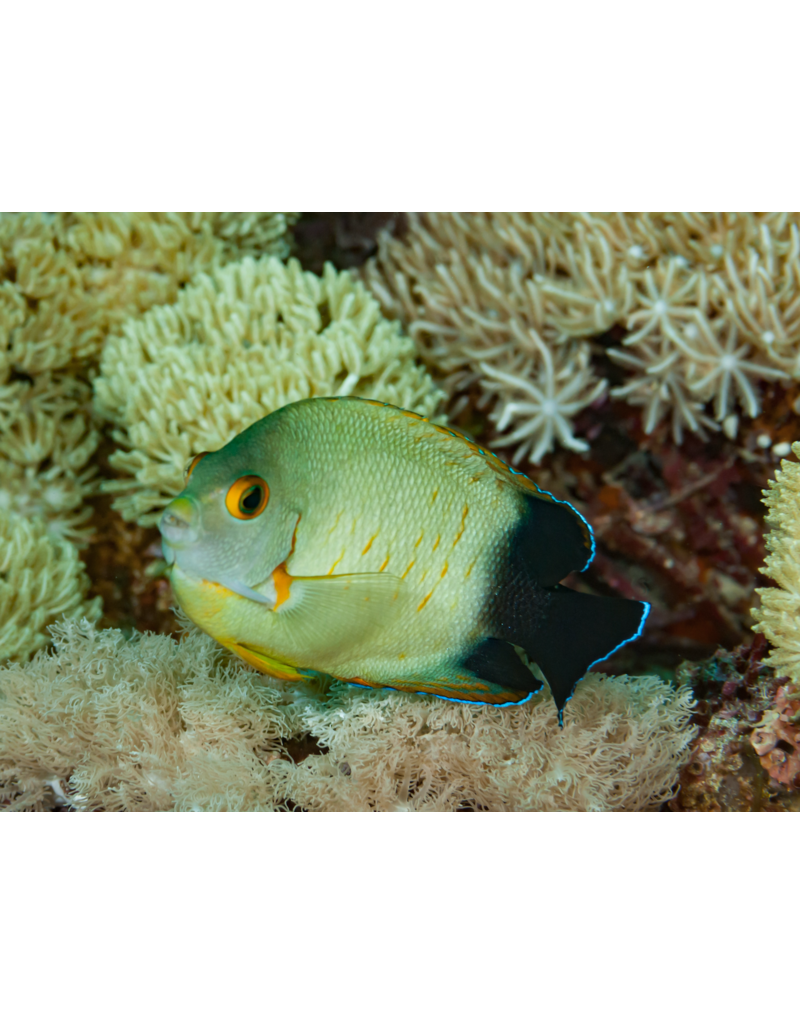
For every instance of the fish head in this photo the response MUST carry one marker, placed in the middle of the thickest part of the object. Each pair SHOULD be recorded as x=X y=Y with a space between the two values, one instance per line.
x=232 y=524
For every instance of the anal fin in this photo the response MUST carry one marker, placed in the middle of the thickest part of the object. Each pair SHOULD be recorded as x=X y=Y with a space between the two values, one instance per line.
x=497 y=662
x=492 y=673
x=265 y=662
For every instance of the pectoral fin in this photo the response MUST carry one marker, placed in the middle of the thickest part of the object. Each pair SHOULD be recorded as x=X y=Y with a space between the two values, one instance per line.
x=330 y=613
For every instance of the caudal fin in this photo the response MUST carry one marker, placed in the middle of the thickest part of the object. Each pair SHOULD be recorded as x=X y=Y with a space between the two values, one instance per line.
x=575 y=631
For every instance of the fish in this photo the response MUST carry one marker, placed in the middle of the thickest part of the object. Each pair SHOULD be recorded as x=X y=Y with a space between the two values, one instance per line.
x=347 y=537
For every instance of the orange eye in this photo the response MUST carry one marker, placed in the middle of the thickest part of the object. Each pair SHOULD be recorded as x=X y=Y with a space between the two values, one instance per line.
x=192 y=464
x=247 y=498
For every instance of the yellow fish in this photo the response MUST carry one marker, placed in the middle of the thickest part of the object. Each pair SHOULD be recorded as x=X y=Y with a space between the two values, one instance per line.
x=347 y=537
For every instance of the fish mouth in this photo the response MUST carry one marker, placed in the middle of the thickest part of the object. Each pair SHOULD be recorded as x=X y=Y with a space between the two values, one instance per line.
x=178 y=524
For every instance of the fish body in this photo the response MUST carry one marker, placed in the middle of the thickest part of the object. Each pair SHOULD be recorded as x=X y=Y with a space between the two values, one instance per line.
x=351 y=538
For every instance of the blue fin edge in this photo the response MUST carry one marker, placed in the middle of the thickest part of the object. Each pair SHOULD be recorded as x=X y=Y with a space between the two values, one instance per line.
x=636 y=635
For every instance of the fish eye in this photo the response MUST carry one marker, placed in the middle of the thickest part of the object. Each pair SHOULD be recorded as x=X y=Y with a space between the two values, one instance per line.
x=247 y=498
x=191 y=466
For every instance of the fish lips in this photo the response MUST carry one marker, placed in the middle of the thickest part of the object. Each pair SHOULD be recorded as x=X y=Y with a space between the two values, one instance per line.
x=178 y=523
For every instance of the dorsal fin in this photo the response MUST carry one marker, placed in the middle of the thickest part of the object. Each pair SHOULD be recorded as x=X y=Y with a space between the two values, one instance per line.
x=551 y=540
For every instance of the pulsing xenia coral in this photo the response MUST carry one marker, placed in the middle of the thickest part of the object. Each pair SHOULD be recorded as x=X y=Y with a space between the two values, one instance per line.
x=238 y=344
x=150 y=723
x=711 y=304
x=41 y=579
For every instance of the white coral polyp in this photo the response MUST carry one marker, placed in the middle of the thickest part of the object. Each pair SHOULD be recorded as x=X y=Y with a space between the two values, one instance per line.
x=477 y=287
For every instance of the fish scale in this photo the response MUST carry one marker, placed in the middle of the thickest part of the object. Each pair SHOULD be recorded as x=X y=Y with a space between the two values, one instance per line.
x=409 y=498
x=388 y=551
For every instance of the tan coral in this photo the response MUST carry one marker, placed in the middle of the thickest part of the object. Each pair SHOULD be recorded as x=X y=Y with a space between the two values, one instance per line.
x=711 y=303
x=47 y=442
x=41 y=579
x=238 y=344
x=66 y=280
x=154 y=724
x=140 y=724
x=623 y=744
x=539 y=403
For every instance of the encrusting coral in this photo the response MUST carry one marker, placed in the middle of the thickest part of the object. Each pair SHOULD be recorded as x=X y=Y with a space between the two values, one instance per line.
x=41 y=579
x=505 y=303
x=239 y=343
x=746 y=754
x=150 y=723
x=776 y=739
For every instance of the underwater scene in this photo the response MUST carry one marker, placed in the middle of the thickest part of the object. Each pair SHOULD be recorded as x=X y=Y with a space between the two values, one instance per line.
x=370 y=511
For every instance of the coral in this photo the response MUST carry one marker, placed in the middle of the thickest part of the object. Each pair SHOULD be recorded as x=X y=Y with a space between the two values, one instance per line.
x=47 y=441
x=623 y=743
x=67 y=279
x=776 y=739
x=737 y=760
x=710 y=304
x=778 y=617
x=41 y=579
x=547 y=401
x=141 y=724
x=149 y=723
x=238 y=344
x=247 y=234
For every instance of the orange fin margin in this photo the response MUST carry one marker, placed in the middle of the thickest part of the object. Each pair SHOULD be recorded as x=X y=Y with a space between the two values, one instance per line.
x=264 y=663
x=467 y=689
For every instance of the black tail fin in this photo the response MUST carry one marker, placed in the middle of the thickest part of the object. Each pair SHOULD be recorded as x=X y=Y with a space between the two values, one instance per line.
x=573 y=631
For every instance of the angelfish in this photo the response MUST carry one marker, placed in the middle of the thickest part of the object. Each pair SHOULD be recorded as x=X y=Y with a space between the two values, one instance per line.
x=347 y=537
